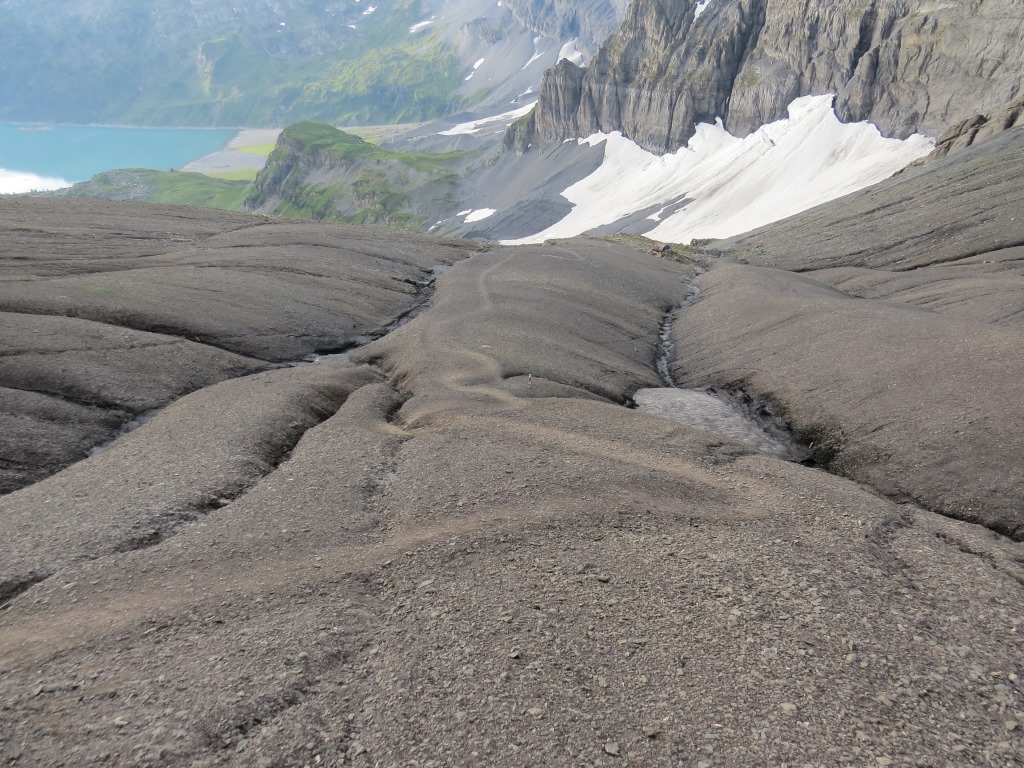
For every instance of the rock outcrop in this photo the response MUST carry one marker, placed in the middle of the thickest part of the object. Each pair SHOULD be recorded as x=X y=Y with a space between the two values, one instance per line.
x=978 y=129
x=907 y=66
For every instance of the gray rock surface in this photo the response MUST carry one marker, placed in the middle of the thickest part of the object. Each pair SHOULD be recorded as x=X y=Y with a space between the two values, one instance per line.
x=980 y=128
x=464 y=566
x=906 y=66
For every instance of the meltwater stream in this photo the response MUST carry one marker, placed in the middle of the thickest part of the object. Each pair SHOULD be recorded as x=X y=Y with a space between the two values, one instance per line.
x=748 y=423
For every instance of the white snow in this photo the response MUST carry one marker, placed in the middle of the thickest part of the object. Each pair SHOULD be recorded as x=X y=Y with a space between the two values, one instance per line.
x=476 y=66
x=369 y=10
x=700 y=8
x=465 y=212
x=734 y=184
x=17 y=182
x=474 y=126
x=417 y=27
x=479 y=215
x=571 y=52
x=532 y=59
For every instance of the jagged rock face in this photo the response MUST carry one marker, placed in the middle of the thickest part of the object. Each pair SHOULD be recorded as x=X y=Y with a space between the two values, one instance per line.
x=906 y=65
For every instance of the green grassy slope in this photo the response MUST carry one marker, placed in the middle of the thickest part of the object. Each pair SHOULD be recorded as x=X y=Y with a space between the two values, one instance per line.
x=167 y=187
x=320 y=172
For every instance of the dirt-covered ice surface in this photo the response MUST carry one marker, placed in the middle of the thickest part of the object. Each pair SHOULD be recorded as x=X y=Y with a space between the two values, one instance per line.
x=474 y=554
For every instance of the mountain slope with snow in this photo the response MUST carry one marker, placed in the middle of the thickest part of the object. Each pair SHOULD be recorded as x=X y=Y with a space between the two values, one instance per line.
x=721 y=185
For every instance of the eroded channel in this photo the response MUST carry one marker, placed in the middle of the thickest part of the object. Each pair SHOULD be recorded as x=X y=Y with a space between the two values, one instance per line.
x=721 y=413
x=424 y=296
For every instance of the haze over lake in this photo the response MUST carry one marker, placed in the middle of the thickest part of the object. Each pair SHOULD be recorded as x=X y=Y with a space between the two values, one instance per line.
x=50 y=157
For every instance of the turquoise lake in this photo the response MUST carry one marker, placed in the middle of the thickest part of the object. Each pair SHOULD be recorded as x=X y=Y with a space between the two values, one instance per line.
x=76 y=153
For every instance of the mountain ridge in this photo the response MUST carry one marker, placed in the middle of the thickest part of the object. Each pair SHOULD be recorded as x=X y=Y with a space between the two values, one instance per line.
x=918 y=66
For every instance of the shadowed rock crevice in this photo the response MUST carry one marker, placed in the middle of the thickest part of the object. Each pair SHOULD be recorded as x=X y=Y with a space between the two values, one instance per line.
x=11 y=588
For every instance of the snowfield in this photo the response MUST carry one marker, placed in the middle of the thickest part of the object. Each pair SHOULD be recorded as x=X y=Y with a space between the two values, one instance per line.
x=720 y=185
x=480 y=215
x=496 y=122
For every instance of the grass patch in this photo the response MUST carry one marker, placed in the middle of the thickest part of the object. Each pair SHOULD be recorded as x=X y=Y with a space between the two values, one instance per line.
x=241 y=174
x=341 y=145
x=179 y=188
x=260 y=150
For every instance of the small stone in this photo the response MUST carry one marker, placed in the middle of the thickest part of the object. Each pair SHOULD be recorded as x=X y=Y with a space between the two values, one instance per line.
x=603 y=578
x=1011 y=725
x=787 y=707
x=120 y=722
x=651 y=732
x=535 y=711
x=883 y=761
x=612 y=748
x=514 y=654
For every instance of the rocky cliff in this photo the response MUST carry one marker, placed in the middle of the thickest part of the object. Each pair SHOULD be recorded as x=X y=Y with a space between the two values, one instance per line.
x=906 y=65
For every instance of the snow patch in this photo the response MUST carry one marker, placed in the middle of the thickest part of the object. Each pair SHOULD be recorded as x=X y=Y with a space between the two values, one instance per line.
x=369 y=10
x=476 y=66
x=18 y=182
x=571 y=52
x=700 y=8
x=479 y=215
x=421 y=25
x=475 y=126
x=734 y=185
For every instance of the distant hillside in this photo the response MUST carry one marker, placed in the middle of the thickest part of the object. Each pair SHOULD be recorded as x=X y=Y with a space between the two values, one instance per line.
x=222 y=62
x=321 y=173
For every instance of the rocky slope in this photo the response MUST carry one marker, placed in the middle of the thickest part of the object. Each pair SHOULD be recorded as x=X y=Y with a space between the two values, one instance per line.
x=907 y=66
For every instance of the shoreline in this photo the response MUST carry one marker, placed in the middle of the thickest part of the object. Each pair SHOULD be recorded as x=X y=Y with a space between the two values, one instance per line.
x=229 y=158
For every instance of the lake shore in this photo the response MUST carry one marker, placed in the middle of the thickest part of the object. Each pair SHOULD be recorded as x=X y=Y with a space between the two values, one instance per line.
x=231 y=158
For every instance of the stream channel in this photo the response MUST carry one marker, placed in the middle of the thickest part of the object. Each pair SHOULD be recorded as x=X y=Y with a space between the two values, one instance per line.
x=424 y=294
x=729 y=415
